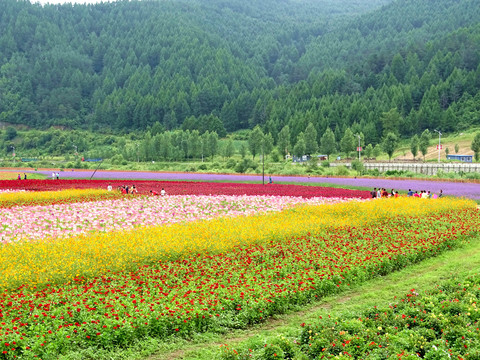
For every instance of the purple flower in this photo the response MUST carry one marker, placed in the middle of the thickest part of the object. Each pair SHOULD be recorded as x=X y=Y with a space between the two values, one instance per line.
x=469 y=190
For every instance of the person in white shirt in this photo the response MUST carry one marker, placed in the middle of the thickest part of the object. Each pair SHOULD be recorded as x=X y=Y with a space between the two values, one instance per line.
x=163 y=192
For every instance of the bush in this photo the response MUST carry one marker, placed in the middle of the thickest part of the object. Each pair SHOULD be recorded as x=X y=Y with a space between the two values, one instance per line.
x=341 y=170
x=395 y=172
x=472 y=176
x=231 y=163
x=118 y=159
x=275 y=156
x=325 y=163
x=358 y=166
x=246 y=164
x=374 y=172
x=202 y=167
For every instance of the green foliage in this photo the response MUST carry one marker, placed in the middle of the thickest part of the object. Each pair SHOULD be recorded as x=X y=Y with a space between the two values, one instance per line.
x=10 y=133
x=341 y=170
x=390 y=144
x=424 y=142
x=347 y=144
x=310 y=137
x=229 y=148
x=414 y=143
x=300 y=146
x=476 y=146
x=283 y=141
x=375 y=67
x=255 y=141
x=328 y=144
x=244 y=165
x=368 y=151
x=377 y=150
x=358 y=166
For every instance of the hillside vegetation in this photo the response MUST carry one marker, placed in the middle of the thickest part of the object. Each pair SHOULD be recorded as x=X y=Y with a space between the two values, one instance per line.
x=371 y=68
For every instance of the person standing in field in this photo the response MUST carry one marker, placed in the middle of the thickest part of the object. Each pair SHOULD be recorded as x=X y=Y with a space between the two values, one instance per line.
x=163 y=192
x=374 y=193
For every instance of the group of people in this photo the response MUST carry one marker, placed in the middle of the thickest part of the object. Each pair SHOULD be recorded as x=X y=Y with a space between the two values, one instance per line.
x=20 y=178
x=383 y=193
x=124 y=189
x=55 y=175
x=424 y=194
x=162 y=192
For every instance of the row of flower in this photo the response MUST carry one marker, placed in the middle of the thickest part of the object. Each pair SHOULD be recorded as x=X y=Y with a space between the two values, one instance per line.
x=440 y=324
x=188 y=188
x=14 y=198
x=62 y=259
x=70 y=219
x=230 y=278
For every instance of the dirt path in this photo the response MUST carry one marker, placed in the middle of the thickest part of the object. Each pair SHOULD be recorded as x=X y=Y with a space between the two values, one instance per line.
x=418 y=276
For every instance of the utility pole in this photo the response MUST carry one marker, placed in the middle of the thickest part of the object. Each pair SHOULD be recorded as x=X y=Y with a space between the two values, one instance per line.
x=439 y=146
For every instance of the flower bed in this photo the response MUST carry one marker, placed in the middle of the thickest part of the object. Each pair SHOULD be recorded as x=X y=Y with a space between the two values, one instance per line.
x=62 y=259
x=188 y=188
x=230 y=286
x=68 y=218
x=15 y=198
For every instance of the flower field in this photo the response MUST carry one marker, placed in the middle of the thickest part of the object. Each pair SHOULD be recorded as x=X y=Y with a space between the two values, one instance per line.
x=438 y=324
x=187 y=188
x=16 y=198
x=73 y=212
x=107 y=273
x=443 y=322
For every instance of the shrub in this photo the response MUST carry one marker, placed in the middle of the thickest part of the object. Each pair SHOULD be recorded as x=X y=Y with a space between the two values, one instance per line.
x=231 y=163
x=358 y=166
x=341 y=170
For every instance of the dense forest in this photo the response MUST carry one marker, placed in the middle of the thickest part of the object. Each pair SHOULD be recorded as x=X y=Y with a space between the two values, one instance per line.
x=350 y=66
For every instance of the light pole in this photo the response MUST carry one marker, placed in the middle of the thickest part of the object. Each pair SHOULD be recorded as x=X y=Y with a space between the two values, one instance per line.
x=76 y=151
x=439 y=147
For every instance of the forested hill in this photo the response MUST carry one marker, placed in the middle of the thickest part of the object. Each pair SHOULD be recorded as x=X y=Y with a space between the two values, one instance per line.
x=225 y=65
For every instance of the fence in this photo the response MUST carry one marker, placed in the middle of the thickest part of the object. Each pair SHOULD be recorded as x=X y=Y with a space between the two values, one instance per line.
x=420 y=168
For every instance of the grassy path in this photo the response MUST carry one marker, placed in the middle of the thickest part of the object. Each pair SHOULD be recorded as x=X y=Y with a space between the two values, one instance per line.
x=379 y=291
